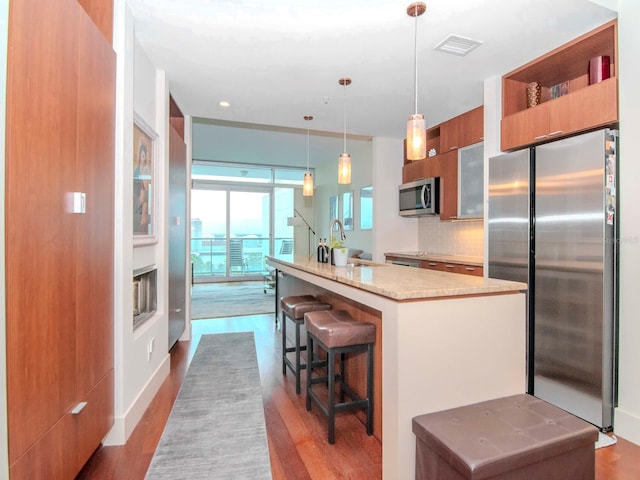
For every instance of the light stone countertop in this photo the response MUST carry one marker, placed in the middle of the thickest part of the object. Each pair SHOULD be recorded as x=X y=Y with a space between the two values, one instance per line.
x=399 y=282
x=439 y=257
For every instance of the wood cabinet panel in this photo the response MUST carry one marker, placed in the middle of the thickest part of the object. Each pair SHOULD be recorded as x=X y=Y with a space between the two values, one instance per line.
x=177 y=235
x=472 y=270
x=40 y=231
x=472 y=128
x=463 y=130
x=93 y=423
x=450 y=134
x=524 y=128
x=585 y=107
x=59 y=273
x=425 y=168
x=432 y=265
x=65 y=448
x=95 y=176
x=413 y=171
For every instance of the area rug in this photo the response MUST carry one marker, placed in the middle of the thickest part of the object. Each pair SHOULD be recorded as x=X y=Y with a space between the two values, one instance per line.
x=210 y=300
x=216 y=429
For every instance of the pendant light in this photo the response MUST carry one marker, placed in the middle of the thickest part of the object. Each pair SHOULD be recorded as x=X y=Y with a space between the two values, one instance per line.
x=344 y=161
x=416 y=129
x=307 y=184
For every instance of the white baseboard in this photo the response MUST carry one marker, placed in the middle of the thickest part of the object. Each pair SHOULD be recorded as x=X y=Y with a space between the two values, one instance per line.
x=123 y=426
x=627 y=425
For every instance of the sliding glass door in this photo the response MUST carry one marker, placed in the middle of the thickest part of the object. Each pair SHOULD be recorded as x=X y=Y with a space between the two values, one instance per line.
x=230 y=232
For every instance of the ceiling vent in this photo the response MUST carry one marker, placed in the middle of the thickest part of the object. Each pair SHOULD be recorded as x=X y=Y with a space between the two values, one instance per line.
x=457 y=45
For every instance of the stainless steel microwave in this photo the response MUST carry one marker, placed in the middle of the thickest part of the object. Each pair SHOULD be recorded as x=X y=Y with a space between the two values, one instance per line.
x=421 y=197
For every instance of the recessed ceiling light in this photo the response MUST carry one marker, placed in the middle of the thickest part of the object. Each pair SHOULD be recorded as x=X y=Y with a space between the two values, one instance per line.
x=457 y=45
x=224 y=104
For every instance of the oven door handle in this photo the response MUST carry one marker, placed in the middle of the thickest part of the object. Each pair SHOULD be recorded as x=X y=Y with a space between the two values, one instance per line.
x=422 y=195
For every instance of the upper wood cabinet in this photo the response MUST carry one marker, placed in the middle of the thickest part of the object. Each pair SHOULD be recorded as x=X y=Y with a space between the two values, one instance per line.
x=465 y=129
x=584 y=107
x=462 y=130
x=425 y=168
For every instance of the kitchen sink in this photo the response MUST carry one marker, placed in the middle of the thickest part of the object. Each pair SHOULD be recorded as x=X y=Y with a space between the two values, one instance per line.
x=358 y=263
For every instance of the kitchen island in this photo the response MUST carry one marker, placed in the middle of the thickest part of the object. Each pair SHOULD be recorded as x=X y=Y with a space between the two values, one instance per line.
x=443 y=340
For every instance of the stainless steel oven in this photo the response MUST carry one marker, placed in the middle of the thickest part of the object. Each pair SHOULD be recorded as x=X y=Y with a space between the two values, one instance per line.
x=421 y=197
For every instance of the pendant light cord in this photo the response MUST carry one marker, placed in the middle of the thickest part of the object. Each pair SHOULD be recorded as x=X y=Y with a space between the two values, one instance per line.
x=415 y=57
x=307 y=148
x=345 y=117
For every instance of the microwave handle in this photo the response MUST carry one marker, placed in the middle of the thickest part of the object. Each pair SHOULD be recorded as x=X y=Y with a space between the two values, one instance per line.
x=422 y=192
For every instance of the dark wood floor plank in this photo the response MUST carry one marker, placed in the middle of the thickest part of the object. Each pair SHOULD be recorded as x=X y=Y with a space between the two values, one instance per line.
x=297 y=438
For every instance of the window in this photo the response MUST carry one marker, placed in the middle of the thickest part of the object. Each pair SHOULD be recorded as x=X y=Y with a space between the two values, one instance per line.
x=366 y=208
x=347 y=210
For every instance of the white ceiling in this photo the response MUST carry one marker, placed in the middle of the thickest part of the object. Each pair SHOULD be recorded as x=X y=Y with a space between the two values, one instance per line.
x=278 y=60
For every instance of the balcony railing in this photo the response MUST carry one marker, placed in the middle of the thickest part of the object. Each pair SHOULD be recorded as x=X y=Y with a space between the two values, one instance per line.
x=245 y=256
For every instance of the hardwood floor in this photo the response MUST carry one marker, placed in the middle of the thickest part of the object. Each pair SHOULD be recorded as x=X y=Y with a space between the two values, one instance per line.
x=297 y=438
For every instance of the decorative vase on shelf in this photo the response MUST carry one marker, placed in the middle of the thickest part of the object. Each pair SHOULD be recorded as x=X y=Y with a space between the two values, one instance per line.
x=533 y=94
x=340 y=256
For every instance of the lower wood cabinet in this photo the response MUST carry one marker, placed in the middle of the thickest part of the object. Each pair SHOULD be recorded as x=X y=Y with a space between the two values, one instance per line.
x=452 y=267
x=438 y=265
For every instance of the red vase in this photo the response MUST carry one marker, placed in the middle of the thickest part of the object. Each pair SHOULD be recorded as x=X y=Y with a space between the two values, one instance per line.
x=599 y=69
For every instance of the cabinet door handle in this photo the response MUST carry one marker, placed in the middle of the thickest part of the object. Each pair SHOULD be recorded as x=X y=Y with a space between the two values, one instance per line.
x=540 y=137
x=450 y=266
x=433 y=264
x=470 y=269
x=453 y=148
x=78 y=408
x=557 y=132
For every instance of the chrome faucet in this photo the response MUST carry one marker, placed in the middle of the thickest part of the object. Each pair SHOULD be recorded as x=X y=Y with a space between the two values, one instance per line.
x=341 y=230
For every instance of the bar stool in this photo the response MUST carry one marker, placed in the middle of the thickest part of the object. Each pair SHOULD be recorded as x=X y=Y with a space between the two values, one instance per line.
x=337 y=333
x=294 y=307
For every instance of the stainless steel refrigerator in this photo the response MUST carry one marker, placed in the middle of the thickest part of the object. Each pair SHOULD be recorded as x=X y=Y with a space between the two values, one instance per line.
x=552 y=224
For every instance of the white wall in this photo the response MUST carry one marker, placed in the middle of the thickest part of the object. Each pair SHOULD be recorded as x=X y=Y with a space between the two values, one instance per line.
x=326 y=185
x=451 y=238
x=627 y=415
x=143 y=89
x=392 y=233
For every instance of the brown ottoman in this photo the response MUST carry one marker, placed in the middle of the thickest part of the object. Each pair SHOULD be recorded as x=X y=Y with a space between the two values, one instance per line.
x=516 y=438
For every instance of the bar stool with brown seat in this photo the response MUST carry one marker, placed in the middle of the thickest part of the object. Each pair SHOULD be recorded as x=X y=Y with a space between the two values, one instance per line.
x=337 y=333
x=294 y=307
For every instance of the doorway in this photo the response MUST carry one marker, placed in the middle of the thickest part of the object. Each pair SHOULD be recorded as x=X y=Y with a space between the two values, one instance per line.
x=234 y=228
x=231 y=233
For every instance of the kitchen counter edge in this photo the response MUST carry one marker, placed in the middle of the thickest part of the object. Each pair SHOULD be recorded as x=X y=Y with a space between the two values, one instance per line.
x=398 y=282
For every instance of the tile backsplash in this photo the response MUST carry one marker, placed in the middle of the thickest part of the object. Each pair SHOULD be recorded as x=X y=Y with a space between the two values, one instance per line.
x=451 y=238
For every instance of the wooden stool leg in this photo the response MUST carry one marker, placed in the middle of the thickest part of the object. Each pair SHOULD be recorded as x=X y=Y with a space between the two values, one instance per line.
x=309 y=369
x=370 y=389
x=331 y=407
x=342 y=376
x=284 y=343
x=298 y=348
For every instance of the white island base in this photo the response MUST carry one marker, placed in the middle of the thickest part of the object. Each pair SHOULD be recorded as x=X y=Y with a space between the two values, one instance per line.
x=438 y=352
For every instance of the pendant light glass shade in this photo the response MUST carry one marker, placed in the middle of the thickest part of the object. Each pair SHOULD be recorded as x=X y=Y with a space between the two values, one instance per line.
x=416 y=128
x=344 y=160
x=307 y=183
x=344 y=169
x=416 y=137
